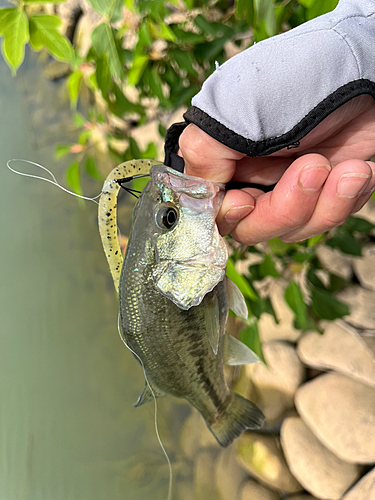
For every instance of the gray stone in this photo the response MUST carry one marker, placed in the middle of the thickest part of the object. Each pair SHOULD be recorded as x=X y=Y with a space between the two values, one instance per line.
x=277 y=382
x=340 y=348
x=261 y=456
x=341 y=413
x=360 y=302
x=254 y=491
x=364 y=489
x=335 y=261
x=229 y=475
x=365 y=267
x=321 y=472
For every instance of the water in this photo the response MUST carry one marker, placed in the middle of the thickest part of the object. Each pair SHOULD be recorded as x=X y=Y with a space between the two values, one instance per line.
x=67 y=426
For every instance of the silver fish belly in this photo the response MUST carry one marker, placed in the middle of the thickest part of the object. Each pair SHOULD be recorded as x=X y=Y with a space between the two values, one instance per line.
x=172 y=291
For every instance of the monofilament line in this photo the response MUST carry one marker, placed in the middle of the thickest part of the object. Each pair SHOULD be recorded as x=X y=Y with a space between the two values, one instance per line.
x=51 y=181
x=156 y=410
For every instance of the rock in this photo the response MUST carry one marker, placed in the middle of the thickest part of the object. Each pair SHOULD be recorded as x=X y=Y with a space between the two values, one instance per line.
x=368 y=211
x=364 y=489
x=341 y=413
x=204 y=472
x=365 y=267
x=320 y=472
x=335 y=261
x=301 y=497
x=369 y=339
x=268 y=329
x=340 y=348
x=261 y=456
x=254 y=491
x=276 y=383
x=362 y=315
x=229 y=475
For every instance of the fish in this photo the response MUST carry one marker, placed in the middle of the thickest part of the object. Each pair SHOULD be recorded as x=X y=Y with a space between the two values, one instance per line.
x=174 y=298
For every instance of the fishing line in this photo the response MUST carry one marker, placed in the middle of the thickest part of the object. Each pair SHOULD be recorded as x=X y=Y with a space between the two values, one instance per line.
x=156 y=410
x=53 y=181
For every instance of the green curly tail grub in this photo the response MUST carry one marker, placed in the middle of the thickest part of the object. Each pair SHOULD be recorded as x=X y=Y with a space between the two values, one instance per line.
x=107 y=215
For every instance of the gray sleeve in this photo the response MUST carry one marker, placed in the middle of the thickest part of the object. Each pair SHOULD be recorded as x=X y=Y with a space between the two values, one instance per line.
x=272 y=94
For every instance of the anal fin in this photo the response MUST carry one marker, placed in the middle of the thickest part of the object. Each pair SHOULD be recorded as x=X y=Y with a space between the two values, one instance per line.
x=237 y=353
x=147 y=395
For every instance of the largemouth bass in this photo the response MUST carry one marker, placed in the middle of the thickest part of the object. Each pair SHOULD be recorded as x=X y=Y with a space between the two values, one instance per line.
x=174 y=300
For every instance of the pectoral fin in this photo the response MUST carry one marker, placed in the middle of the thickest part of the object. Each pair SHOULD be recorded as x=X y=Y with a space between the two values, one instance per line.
x=212 y=319
x=237 y=353
x=236 y=301
x=147 y=396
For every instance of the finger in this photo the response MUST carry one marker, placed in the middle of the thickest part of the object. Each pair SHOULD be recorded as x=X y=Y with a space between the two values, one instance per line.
x=364 y=198
x=289 y=205
x=237 y=204
x=341 y=193
x=265 y=171
x=205 y=157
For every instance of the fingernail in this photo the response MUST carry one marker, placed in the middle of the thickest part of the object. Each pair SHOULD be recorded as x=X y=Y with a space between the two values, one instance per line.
x=312 y=178
x=235 y=214
x=350 y=185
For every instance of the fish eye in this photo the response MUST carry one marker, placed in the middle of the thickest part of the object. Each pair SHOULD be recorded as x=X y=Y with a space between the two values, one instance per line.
x=166 y=217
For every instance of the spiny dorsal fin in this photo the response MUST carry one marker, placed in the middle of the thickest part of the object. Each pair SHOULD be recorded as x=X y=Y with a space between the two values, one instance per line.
x=236 y=301
x=147 y=396
x=237 y=353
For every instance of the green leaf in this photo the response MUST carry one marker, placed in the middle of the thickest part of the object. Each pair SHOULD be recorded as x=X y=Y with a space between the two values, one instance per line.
x=167 y=33
x=315 y=240
x=44 y=33
x=103 y=42
x=242 y=283
x=137 y=68
x=319 y=8
x=62 y=150
x=74 y=83
x=267 y=267
x=91 y=169
x=79 y=120
x=103 y=76
x=294 y=299
x=184 y=61
x=73 y=178
x=306 y=3
x=357 y=224
x=245 y=9
x=326 y=306
x=250 y=337
x=278 y=247
x=346 y=243
x=110 y=9
x=265 y=13
x=14 y=28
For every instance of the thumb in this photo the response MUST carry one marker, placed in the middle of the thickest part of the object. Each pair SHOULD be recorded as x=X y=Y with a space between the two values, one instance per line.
x=205 y=157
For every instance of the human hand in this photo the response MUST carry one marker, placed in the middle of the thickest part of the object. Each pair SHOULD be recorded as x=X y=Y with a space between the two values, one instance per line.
x=318 y=185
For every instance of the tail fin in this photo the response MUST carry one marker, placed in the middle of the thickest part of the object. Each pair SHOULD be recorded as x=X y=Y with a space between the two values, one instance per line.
x=240 y=415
